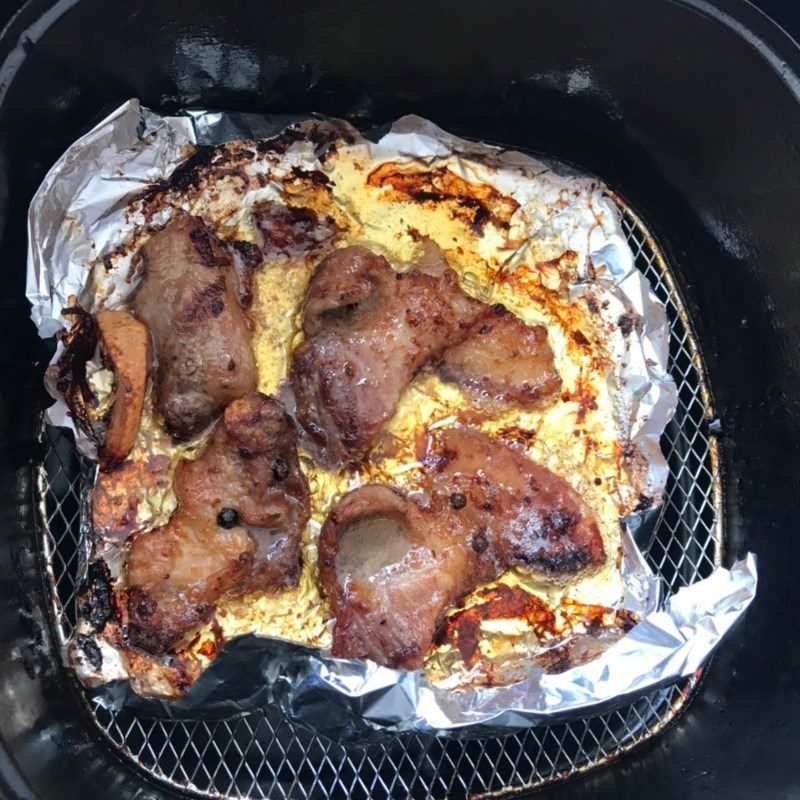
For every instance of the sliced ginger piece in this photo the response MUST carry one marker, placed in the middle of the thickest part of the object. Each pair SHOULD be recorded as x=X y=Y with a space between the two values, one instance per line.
x=126 y=344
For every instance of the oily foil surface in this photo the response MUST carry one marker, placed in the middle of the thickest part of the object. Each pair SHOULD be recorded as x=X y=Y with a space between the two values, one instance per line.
x=83 y=216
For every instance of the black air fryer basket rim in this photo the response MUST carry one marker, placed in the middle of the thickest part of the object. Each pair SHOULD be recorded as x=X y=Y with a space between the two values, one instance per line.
x=772 y=44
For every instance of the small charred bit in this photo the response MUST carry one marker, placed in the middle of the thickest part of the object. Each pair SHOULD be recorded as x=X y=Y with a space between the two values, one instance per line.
x=228 y=518
x=625 y=324
x=210 y=254
x=187 y=174
x=282 y=142
x=290 y=231
x=80 y=344
x=95 y=603
x=91 y=650
x=643 y=503
x=323 y=134
x=313 y=175
x=580 y=339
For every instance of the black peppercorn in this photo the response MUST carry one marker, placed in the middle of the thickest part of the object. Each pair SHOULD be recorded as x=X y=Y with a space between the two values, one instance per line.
x=228 y=518
x=479 y=542
x=280 y=469
x=457 y=500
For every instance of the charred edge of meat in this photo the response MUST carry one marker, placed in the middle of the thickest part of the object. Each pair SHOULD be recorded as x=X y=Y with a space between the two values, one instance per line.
x=80 y=344
x=96 y=604
x=209 y=247
x=91 y=651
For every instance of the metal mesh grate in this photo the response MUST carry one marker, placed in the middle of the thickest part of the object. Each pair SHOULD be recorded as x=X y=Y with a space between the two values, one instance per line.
x=262 y=755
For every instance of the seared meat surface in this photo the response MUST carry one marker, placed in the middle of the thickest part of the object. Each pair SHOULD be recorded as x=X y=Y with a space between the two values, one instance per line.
x=503 y=359
x=242 y=506
x=189 y=300
x=390 y=565
x=369 y=329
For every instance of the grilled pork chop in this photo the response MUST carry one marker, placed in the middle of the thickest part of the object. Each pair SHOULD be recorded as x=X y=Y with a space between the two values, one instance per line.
x=370 y=328
x=189 y=300
x=390 y=565
x=242 y=506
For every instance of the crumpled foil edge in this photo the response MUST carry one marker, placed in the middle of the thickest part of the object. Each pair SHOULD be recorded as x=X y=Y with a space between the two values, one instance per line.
x=77 y=215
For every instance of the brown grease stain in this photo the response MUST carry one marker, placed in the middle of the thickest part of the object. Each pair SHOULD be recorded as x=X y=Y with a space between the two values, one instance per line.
x=462 y=630
x=476 y=204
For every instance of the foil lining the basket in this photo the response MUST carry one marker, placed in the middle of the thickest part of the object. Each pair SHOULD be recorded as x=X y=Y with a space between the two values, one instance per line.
x=78 y=215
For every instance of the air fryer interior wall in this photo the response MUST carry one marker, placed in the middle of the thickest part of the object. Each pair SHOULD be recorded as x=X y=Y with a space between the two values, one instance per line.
x=692 y=120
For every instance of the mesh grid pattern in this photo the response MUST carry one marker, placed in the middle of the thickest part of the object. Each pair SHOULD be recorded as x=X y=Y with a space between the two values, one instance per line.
x=263 y=755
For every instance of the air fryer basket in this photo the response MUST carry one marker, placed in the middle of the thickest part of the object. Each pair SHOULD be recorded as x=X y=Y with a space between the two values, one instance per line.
x=689 y=110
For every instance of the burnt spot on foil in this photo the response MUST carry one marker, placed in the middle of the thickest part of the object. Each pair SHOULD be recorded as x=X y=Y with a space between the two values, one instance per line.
x=80 y=343
x=208 y=248
x=625 y=324
x=189 y=172
x=91 y=651
x=462 y=630
x=95 y=604
x=475 y=204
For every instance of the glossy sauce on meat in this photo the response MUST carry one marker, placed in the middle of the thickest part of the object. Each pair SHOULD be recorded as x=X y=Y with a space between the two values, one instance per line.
x=391 y=564
x=189 y=300
x=503 y=359
x=242 y=506
x=369 y=329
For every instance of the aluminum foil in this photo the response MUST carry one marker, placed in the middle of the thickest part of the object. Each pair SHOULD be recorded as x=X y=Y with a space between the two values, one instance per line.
x=78 y=216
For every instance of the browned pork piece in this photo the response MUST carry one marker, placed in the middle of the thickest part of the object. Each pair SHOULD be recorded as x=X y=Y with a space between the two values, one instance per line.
x=125 y=344
x=242 y=506
x=503 y=359
x=390 y=565
x=369 y=329
x=188 y=299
